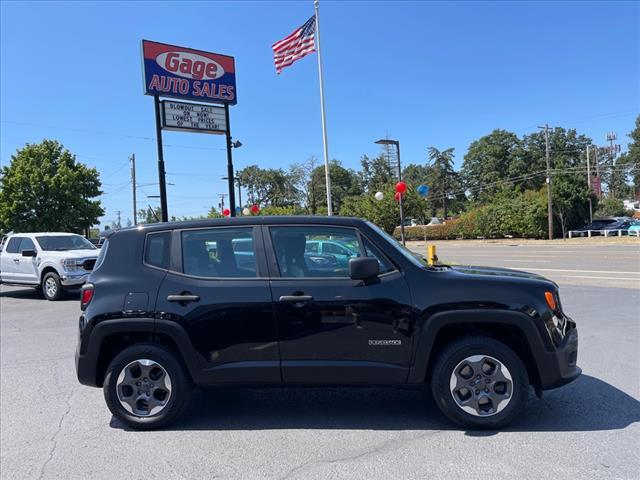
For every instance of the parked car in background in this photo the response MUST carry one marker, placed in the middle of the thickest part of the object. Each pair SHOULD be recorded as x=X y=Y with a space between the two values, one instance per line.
x=604 y=225
x=634 y=228
x=53 y=262
x=342 y=251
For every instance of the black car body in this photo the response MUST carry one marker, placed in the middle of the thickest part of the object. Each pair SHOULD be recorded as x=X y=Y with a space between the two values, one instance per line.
x=181 y=290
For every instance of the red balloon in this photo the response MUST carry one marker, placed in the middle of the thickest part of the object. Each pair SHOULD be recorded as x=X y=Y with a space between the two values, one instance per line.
x=255 y=208
x=226 y=212
x=398 y=196
x=401 y=187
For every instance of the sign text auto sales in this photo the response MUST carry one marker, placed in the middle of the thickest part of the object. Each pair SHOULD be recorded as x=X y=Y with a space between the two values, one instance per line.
x=180 y=72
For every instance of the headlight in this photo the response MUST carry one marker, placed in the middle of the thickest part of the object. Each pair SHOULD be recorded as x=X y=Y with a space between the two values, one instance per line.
x=71 y=264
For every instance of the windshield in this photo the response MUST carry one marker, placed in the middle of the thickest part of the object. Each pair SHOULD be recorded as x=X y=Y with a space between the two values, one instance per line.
x=415 y=258
x=64 y=242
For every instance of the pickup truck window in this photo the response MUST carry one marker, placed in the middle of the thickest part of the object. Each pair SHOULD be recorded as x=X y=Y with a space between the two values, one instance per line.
x=26 y=244
x=13 y=245
x=64 y=242
x=219 y=253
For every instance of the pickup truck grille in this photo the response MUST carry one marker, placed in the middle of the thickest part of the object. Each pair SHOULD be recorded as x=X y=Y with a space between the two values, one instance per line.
x=88 y=264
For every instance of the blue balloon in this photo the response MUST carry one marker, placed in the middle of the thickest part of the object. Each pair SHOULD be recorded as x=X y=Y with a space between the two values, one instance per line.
x=238 y=210
x=423 y=190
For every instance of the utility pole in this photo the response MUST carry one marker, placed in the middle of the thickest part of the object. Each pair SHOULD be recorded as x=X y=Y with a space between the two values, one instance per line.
x=221 y=202
x=589 y=185
x=132 y=158
x=549 y=199
x=118 y=222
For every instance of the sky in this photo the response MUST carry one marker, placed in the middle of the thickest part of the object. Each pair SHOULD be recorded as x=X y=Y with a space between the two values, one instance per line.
x=424 y=73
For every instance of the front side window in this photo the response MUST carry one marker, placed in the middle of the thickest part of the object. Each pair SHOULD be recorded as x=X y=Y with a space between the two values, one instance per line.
x=219 y=253
x=296 y=259
x=64 y=242
x=26 y=244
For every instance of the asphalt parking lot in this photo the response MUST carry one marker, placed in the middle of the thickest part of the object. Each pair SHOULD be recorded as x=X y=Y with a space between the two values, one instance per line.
x=52 y=427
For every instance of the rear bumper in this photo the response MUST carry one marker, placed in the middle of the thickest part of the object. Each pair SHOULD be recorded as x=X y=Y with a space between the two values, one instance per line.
x=559 y=367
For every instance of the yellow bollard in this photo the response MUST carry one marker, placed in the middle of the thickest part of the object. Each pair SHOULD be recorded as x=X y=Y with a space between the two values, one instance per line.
x=432 y=258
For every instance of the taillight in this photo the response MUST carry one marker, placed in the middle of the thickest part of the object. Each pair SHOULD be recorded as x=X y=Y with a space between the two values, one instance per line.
x=86 y=295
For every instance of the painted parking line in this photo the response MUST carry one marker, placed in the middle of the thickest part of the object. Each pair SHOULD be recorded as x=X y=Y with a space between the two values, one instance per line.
x=533 y=269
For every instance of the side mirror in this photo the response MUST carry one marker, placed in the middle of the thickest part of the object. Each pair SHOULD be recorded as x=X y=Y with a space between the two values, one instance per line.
x=28 y=253
x=363 y=268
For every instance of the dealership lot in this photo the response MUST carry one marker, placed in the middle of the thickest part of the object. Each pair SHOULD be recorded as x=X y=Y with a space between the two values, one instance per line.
x=51 y=427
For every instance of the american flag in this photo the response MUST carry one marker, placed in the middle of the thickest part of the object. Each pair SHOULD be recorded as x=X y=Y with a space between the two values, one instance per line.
x=295 y=46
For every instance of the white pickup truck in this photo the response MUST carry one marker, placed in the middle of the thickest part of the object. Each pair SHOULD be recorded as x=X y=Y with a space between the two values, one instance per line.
x=53 y=261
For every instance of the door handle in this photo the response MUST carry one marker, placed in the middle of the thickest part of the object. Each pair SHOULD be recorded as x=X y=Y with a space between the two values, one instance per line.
x=296 y=298
x=16 y=260
x=183 y=298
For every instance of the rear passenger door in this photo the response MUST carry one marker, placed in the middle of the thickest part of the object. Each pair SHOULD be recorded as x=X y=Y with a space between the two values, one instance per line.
x=217 y=288
x=332 y=329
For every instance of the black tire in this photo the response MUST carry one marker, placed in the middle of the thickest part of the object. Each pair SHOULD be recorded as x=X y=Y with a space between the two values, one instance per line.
x=181 y=386
x=55 y=290
x=455 y=353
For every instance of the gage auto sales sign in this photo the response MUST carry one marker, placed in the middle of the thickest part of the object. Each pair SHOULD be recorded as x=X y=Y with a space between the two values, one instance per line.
x=179 y=72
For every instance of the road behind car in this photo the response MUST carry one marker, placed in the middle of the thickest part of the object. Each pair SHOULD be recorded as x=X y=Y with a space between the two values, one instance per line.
x=51 y=427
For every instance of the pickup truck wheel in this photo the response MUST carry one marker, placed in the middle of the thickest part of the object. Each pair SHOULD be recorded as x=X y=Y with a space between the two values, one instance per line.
x=146 y=386
x=51 y=286
x=480 y=383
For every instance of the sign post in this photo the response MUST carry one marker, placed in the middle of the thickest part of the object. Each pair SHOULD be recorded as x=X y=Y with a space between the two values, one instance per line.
x=185 y=73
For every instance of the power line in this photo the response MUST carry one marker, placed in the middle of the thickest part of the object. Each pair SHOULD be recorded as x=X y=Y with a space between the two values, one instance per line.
x=110 y=134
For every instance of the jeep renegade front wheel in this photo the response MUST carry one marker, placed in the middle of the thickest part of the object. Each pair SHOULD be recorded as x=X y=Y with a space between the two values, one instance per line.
x=479 y=382
x=146 y=386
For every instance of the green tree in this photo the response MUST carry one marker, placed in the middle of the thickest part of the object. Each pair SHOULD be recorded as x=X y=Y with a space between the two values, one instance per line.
x=44 y=189
x=630 y=160
x=442 y=163
x=269 y=186
x=610 y=207
x=489 y=162
x=344 y=183
x=375 y=174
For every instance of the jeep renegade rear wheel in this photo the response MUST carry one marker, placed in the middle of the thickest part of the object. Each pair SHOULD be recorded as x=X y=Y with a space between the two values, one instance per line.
x=146 y=386
x=479 y=382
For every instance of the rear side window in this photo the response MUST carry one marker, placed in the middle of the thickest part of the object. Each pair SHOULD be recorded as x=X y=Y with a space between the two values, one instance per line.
x=219 y=253
x=157 y=250
x=14 y=243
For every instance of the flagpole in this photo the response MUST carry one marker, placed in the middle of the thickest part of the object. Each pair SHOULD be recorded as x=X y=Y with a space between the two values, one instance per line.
x=324 y=120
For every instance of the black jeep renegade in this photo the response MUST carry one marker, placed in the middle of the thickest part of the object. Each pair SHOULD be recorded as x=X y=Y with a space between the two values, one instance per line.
x=315 y=301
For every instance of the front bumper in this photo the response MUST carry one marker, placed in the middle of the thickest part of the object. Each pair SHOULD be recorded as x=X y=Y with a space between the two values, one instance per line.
x=74 y=279
x=559 y=367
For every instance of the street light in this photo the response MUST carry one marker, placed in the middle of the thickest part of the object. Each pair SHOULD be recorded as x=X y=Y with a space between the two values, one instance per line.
x=386 y=141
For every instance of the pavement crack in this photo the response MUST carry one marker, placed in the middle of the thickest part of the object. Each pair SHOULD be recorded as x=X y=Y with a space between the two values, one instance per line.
x=386 y=445
x=54 y=437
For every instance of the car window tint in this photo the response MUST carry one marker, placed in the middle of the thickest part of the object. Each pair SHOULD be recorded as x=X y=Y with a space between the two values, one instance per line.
x=371 y=251
x=26 y=244
x=312 y=247
x=14 y=243
x=157 y=249
x=219 y=253
x=295 y=260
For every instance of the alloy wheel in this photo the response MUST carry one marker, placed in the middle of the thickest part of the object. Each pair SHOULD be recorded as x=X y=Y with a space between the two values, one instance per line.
x=51 y=287
x=481 y=385
x=143 y=387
